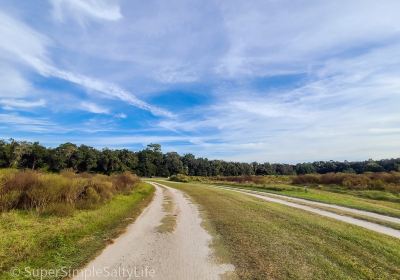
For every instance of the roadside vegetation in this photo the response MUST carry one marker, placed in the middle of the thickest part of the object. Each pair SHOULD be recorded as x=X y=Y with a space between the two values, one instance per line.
x=60 y=194
x=383 y=200
x=42 y=238
x=272 y=241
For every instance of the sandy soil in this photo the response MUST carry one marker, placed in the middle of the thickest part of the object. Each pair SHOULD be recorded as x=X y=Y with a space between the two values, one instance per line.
x=343 y=218
x=167 y=241
x=309 y=202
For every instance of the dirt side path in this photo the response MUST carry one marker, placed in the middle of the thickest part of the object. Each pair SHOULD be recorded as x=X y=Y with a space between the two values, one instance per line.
x=326 y=205
x=165 y=242
x=365 y=224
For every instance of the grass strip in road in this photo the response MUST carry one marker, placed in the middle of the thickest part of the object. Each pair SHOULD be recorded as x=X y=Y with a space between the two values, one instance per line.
x=272 y=241
x=38 y=242
x=168 y=223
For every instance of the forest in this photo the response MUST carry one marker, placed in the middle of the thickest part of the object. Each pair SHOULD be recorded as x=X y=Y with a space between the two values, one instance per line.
x=151 y=161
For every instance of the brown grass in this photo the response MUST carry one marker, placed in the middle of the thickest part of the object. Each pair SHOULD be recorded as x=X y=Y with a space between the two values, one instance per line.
x=367 y=181
x=45 y=192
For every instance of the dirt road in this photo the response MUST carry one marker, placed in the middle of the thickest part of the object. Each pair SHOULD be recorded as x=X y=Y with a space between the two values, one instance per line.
x=167 y=241
x=362 y=223
x=325 y=205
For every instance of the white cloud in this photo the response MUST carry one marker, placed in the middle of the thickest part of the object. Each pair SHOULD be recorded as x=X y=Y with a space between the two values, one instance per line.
x=26 y=124
x=12 y=83
x=269 y=37
x=120 y=116
x=24 y=44
x=348 y=110
x=11 y=104
x=21 y=43
x=93 y=108
x=80 y=9
x=107 y=89
x=348 y=52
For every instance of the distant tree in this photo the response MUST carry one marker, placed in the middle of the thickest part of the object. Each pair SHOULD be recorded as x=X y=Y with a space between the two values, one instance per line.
x=86 y=159
x=129 y=160
x=189 y=164
x=173 y=163
x=4 y=154
x=64 y=156
x=152 y=162
x=305 y=168
x=373 y=166
x=32 y=156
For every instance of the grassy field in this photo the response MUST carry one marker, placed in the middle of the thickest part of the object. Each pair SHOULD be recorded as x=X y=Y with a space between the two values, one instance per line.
x=272 y=241
x=28 y=239
x=349 y=198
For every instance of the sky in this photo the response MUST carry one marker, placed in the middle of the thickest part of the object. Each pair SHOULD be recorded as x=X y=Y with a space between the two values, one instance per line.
x=271 y=80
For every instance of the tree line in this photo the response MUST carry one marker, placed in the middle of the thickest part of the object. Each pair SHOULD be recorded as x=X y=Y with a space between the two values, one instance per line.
x=151 y=161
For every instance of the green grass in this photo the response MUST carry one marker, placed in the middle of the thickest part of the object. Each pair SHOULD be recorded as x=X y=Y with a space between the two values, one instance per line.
x=273 y=241
x=31 y=240
x=168 y=223
x=347 y=199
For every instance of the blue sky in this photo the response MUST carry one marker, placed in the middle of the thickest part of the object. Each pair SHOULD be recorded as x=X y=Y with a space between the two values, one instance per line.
x=279 y=81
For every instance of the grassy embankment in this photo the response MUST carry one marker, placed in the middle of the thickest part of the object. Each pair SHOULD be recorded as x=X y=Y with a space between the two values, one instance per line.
x=378 y=201
x=42 y=239
x=343 y=199
x=272 y=241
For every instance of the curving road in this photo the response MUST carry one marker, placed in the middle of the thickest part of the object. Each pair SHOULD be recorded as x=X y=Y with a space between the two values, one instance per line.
x=166 y=241
x=326 y=205
x=358 y=222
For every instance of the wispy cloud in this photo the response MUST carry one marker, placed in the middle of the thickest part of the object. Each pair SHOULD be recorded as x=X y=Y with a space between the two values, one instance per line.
x=10 y=104
x=81 y=9
x=93 y=108
x=107 y=89
x=12 y=83
x=16 y=36
x=27 y=124
x=243 y=80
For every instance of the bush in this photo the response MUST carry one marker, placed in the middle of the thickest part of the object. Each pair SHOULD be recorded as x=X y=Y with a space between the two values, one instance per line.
x=59 y=209
x=372 y=181
x=377 y=185
x=47 y=192
x=306 y=179
x=179 y=178
x=357 y=182
x=252 y=179
x=125 y=182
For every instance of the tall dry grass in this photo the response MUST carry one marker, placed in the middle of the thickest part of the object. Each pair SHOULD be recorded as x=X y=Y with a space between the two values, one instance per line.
x=52 y=193
x=388 y=181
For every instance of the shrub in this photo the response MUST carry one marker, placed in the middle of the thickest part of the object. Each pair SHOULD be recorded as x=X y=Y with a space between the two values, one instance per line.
x=373 y=181
x=306 y=179
x=179 y=178
x=377 y=185
x=125 y=182
x=59 y=209
x=9 y=200
x=333 y=178
x=19 y=184
x=48 y=192
x=356 y=182
x=104 y=189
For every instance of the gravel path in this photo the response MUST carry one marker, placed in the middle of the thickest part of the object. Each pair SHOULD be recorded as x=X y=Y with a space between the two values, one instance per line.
x=326 y=205
x=167 y=241
x=343 y=218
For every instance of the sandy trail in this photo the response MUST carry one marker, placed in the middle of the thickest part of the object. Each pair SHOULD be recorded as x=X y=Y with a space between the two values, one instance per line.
x=326 y=205
x=166 y=241
x=365 y=224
